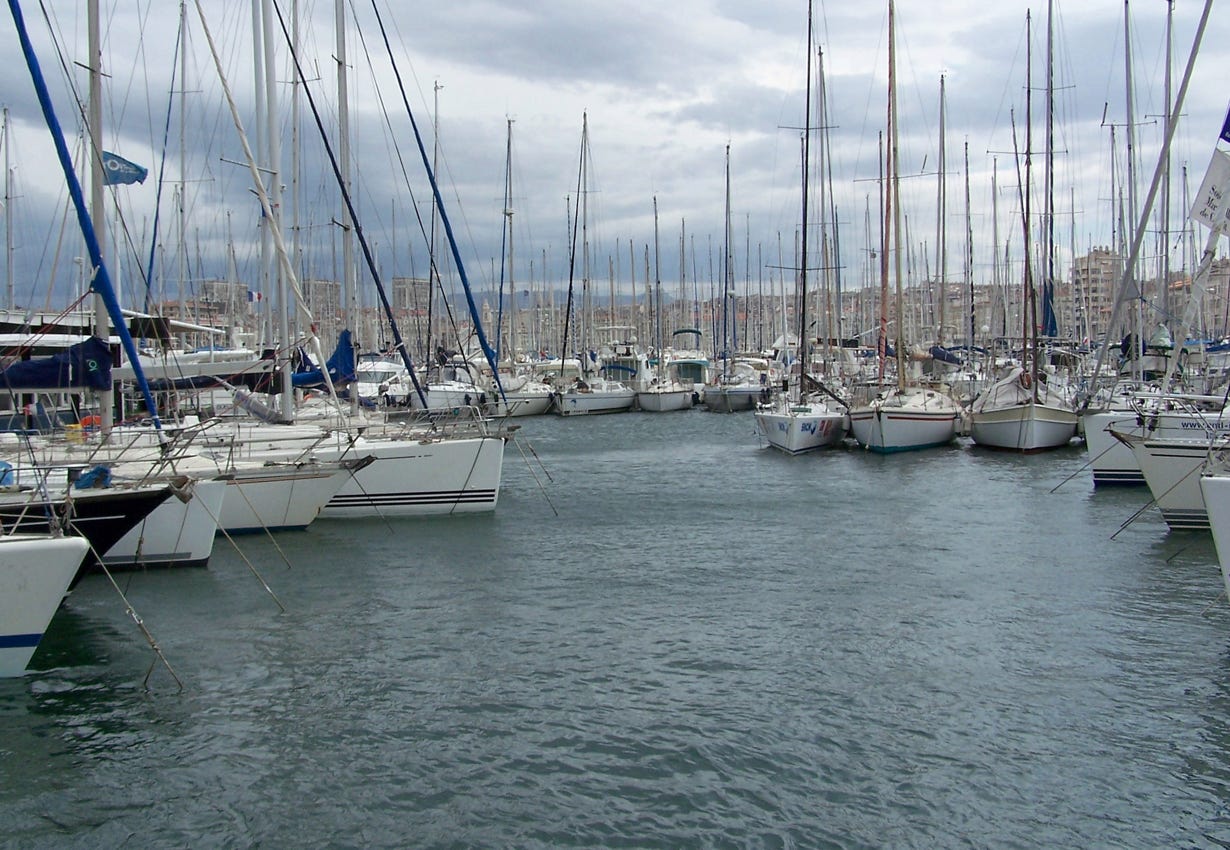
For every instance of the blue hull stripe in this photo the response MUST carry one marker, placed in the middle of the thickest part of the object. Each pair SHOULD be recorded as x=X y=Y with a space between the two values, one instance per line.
x=17 y=641
x=468 y=497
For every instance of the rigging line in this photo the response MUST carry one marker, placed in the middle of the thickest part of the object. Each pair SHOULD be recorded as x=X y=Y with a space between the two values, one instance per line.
x=545 y=471
x=349 y=202
x=433 y=271
x=136 y=618
x=1134 y=517
x=1083 y=467
x=251 y=566
x=473 y=465
x=1219 y=598
x=264 y=525
x=444 y=219
x=534 y=475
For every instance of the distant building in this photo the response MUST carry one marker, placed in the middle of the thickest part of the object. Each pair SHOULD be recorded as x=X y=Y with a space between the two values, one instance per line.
x=1095 y=278
x=410 y=295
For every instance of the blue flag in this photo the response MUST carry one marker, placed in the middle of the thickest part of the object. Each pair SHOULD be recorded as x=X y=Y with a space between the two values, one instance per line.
x=116 y=169
x=1225 y=129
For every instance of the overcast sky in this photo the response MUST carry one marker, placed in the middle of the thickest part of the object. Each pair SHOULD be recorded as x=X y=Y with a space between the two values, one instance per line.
x=666 y=86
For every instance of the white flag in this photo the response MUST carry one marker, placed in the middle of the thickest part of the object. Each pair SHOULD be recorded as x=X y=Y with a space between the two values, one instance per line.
x=1212 y=205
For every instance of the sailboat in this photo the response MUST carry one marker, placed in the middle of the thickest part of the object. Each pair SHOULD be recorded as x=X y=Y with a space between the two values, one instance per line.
x=524 y=394
x=797 y=421
x=418 y=467
x=663 y=391
x=908 y=416
x=1022 y=410
x=743 y=381
x=588 y=393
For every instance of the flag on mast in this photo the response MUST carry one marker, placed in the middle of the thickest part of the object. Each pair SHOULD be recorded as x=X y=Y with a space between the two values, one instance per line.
x=117 y=170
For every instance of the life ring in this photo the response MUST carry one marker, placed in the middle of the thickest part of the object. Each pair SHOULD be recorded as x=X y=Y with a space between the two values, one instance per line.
x=91 y=421
x=1025 y=380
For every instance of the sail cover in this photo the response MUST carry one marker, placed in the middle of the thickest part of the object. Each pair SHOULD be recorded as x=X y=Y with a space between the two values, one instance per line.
x=86 y=364
x=340 y=366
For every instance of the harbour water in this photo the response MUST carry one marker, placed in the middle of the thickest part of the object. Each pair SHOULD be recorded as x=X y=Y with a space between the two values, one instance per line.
x=711 y=645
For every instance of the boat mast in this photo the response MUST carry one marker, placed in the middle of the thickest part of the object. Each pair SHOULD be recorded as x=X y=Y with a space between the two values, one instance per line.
x=657 y=293
x=727 y=273
x=106 y=397
x=349 y=284
x=8 y=214
x=1049 y=324
x=1165 y=200
x=969 y=259
x=508 y=217
x=1130 y=270
x=1030 y=308
x=896 y=193
x=941 y=248
x=804 y=333
x=273 y=163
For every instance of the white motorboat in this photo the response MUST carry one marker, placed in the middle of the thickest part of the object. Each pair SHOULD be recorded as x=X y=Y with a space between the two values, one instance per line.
x=594 y=396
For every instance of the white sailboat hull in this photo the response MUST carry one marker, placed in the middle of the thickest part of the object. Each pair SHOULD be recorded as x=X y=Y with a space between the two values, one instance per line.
x=176 y=533
x=594 y=402
x=1215 y=492
x=35 y=571
x=802 y=428
x=523 y=404
x=1111 y=461
x=419 y=477
x=1171 y=468
x=1114 y=462
x=905 y=421
x=279 y=498
x=662 y=401
x=731 y=399
x=1028 y=427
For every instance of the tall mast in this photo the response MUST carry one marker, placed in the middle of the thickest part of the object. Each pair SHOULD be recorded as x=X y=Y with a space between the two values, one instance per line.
x=296 y=249
x=1049 y=325
x=8 y=214
x=969 y=257
x=349 y=284
x=106 y=397
x=804 y=353
x=727 y=273
x=586 y=302
x=896 y=193
x=941 y=248
x=657 y=291
x=273 y=163
x=1029 y=308
x=1131 y=177
x=181 y=223
x=996 y=280
x=1165 y=200
x=508 y=218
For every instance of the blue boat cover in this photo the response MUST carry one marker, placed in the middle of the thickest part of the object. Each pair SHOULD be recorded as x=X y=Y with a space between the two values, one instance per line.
x=86 y=364
x=944 y=355
x=340 y=366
